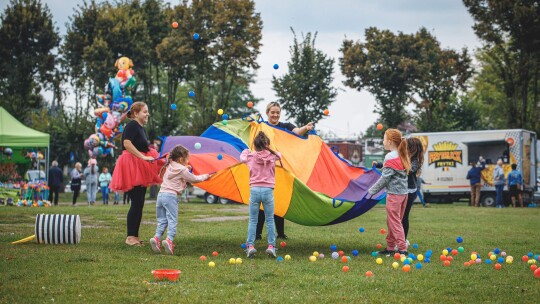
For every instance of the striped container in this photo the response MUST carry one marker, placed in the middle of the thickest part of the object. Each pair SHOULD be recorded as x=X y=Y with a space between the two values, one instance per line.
x=58 y=229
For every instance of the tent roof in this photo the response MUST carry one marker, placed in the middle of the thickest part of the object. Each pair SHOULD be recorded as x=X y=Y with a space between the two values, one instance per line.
x=14 y=134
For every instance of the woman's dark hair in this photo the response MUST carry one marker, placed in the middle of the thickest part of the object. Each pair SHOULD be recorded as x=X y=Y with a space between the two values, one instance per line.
x=177 y=152
x=136 y=107
x=416 y=150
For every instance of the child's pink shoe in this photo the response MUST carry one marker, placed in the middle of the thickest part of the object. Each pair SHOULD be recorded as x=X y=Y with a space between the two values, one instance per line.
x=168 y=245
x=156 y=244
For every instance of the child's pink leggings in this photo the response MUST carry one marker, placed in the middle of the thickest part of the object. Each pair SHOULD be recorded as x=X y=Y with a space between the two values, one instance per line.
x=395 y=208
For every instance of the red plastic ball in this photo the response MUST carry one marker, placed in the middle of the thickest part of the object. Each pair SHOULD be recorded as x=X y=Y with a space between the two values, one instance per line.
x=446 y=263
x=449 y=258
x=498 y=266
x=215 y=254
x=442 y=257
x=379 y=127
x=282 y=244
x=397 y=256
x=454 y=252
x=525 y=258
x=533 y=267
x=379 y=246
x=369 y=274
x=202 y=258
x=344 y=259
x=383 y=231
x=345 y=268
x=537 y=273
x=341 y=253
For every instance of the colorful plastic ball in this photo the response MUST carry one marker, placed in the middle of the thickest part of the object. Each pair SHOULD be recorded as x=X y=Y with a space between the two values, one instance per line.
x=509 y=259
x=191 y=94
x=315 y=253
x=500 y=260
x=379 y=126
x=276 y=66
x=449 y=258
x=220 y=111
x=282 y=244
x=533 y=267
x=345 y=268
x=312 y=258
x=420 y=257
x=341 y=253
x=498 y=266
x=537 y=273
x=215 y=254
x=415 y=246
x=530 y=254
x=503 y=253
x=355 y=252
x=488 y=261
x=407 y=262
x=250 y=104
x=442 y=258
x=225 y=116
x=402 y=258
x=344 y=259
x=232 y=261
x=466 y=264
x=279 y=259
x=412 y=256
x=418 y=265
x=244 y=246
x=395 y=265
x=474 y=256
x=224 y=122
x=427 y=260
x=333 y=247
x=461 y=249
x=493 y=257
x=175 y=24
x=197 y=146
x=406 y=268
x=361 y=229
x=288 y=257
x=238 y=261
x=497 y=251
x=196 y=36
x=219 y=157
x=379 y=246
x=326 y=112
x=173 y=106
x=202 y=258
x=446 y=263
x=374 y=253
x=212 y=264
x=379 y=261
x=524 y=258
x=335 y=255
x=531 y=261
x=369 y=274
x=445 y=252
x=383 y=231
x=321 y=255
x=459 y=239
x=397 y=256
x=454 y=252
x=478 y=261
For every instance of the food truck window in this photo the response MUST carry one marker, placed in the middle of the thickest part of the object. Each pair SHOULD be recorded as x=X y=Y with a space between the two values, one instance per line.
x=491 y=151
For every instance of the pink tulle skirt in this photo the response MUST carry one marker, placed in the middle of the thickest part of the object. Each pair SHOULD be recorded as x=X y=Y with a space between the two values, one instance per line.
x=131 y=171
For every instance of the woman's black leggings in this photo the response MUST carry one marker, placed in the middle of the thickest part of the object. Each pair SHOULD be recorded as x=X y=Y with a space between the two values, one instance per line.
x=134 y=215
x=75 y=196
x=405 y=220
x=279 y=222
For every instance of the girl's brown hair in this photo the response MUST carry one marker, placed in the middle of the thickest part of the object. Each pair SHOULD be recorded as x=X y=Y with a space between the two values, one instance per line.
x=262 y=142
x=176 y=153
x=394 y=135
x=416 y=150
x=136 y=107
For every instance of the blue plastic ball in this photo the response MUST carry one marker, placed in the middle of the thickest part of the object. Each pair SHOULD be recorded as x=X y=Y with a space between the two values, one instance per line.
x=407 y=262
x=361 y=229
x=500 y=260
x=219 y=156
x=488 y=261
x=449 y=249
x=243 y=246
x=415 y=246
x=427 y=260
x=173 y=106
x=333 y=247
x=459 y=239
x=276 y=66
x=428 y=254
x=279 y=259
x=412 y=256
x=225 y=116
x=355 y=252
x=418 y=265
x=530 y=254
x=497 y=251
x=191 y=94
x=196 y=36
x=374 y=254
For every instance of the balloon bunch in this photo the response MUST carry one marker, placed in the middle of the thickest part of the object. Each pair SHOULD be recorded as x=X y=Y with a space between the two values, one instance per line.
x=115 y=104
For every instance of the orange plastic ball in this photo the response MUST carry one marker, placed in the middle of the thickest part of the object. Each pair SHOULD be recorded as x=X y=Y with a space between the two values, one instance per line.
x=369 y=274
x=344 y=259
x=345 y=268
x=406 y=268
x=215 y=254
x=397 y=256
x=326 y=112
x=379 y=127
x=449 y=258
x=498 y=266
x=175 y=24
x=383 y=231
x=454 y=252
x=202 y=258
x=250 y=104
x=533 y=267
x=442 y=258
x=379 y=246
x=466 y=264
x=341 y=253
x=537 y=273
x=446 y=263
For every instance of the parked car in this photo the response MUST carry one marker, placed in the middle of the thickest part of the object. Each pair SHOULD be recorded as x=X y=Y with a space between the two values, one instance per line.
x=209 y=197
x=35 y=175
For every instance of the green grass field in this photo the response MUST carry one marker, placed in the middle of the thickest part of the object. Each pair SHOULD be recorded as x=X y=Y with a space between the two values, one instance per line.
x=101 y=269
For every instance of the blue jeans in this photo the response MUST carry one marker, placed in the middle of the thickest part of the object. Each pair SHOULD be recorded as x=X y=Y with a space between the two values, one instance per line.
x=265 y=196
x=421 y=197
x=499 y=195
x=166 y=214
x=105 y=194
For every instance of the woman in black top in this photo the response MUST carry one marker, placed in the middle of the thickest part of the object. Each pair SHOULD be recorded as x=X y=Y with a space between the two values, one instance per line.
x=273 y=111
x=136 y=168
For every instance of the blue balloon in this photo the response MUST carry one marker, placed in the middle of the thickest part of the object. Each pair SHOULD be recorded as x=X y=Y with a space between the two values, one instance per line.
x=418 y=265
x=355 y=252
x=334 y=247
x=459 y=239
x=196 y=36
x=219 y=156
x=362 y=229
x=276 y=66
x=173 y=106
x=191 y=94
x=225 y=116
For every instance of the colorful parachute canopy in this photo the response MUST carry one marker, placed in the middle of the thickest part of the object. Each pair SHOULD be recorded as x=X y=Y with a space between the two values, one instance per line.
x=314 y=186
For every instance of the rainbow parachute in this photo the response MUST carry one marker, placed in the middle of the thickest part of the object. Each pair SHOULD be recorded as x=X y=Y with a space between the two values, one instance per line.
x=314 y=187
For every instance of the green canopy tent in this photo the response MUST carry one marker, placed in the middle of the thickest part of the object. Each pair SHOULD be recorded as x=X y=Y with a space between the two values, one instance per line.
x=14 y=134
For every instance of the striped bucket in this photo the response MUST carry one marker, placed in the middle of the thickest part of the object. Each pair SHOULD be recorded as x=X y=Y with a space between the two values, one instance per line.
x=58 y=229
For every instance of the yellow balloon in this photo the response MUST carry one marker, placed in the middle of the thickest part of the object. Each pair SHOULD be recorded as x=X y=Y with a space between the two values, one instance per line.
x=220 y=111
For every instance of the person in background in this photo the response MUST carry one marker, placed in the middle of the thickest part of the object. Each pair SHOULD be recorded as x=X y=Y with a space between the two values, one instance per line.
x=104 y=180
x=76 y=176
x=419 y=183
x=116 y=197
x=500 y=181
x=515 y=185
x=56 y=178
x=91 y=173
x=475 y=179
x=273 y=111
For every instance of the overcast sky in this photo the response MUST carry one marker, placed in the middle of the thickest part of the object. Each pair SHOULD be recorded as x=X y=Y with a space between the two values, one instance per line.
x=334 y=21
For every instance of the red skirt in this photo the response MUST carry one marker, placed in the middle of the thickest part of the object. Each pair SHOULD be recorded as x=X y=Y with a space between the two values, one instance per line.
x=131 y=171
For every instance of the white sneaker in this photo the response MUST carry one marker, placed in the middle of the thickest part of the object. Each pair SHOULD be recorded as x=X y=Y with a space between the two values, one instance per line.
x=271 y=251
x=251 y=251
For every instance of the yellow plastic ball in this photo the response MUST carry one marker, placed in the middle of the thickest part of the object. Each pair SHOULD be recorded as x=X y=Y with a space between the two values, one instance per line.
x=212 y=264
x=403 y=258
x=473 y=256
x=232 y=261
x=288 y=257
x=420 y=257
x=220 y=111
x=531 y=261
x=395 y=265
x=238 y=261
x=379 y=261
x=315 y=253
x=312 y=258
x=493 y=257
x=509 y=261
x=445 y=252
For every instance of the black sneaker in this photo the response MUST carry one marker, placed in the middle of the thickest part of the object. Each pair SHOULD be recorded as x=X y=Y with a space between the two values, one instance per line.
x=403 y=252
x=258 y=237
x=386 y=252
x=282 y=236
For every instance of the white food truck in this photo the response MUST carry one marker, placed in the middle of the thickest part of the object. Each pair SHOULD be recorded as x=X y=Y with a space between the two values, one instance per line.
x=448 y=156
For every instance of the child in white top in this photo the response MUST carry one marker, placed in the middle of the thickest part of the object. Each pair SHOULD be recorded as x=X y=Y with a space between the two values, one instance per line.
x=174 y=182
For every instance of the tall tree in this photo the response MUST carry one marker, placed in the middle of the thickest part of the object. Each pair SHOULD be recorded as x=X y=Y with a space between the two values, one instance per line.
x=512 y=29
x=28 y=40
x=306 y=90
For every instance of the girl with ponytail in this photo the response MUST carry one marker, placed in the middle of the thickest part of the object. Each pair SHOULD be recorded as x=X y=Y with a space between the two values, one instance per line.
x=396 y=166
